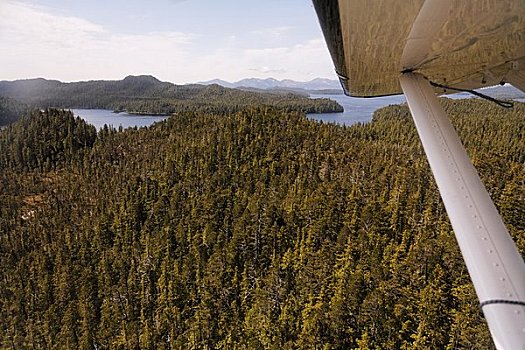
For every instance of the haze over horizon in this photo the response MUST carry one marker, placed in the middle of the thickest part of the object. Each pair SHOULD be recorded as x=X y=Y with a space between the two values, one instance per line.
x=174 y=40
x=205 y=82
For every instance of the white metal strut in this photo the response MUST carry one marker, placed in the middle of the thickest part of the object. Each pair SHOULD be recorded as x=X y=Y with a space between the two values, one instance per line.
x=494 y=264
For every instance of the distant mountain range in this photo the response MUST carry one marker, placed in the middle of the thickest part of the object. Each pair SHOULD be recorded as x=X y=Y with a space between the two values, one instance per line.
x=318 y=84
x=146 y=86
x=332 y=86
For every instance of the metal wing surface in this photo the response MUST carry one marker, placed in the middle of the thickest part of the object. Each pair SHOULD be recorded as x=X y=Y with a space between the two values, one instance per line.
x=457 y=43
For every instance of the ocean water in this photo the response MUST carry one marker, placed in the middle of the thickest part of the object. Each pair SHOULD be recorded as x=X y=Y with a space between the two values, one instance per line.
x=100 y=117
x=356 y=110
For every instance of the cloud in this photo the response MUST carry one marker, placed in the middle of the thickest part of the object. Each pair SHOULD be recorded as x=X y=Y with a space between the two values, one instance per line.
x=268 y=70
x=274 y=32
x=35 y=42
x=306 y=60
x=302 y=61
x=24 y=25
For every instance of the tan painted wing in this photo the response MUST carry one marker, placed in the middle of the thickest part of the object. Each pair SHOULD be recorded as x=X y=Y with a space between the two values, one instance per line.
x=460 y=43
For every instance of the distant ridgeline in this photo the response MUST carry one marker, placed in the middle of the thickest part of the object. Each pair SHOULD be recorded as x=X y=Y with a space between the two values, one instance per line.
x=146 y=94
x=258 y=229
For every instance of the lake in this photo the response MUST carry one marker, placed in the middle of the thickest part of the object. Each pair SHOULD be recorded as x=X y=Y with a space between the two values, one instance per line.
x=99 y=117
x=360 y=110
x=356 y=110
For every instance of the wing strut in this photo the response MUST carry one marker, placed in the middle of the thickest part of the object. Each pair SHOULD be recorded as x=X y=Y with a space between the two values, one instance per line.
x=494 y=264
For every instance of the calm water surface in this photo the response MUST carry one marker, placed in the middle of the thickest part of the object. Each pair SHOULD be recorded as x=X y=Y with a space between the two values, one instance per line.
x=99 y=117
x=360 y=110
x=356 y=110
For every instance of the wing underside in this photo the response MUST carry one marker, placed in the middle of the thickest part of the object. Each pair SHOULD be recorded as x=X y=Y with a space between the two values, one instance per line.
x=455 y=43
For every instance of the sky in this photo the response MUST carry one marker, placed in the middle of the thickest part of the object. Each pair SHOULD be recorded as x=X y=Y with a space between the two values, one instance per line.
x=181 y=41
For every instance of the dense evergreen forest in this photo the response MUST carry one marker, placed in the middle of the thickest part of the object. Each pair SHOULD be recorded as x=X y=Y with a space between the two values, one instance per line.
x=146 y=94
x=255 y=229
x=11 y=110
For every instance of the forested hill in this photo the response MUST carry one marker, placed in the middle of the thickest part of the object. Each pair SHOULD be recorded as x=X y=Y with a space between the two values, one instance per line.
x=146 y=94
x=258 y=229
x=11 y=110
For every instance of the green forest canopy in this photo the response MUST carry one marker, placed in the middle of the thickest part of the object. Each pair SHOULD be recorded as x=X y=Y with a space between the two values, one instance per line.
x=11 y=110
x=258 y=229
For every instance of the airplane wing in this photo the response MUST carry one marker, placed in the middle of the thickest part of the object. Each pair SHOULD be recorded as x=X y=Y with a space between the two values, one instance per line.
x=385 y=47
x=457 y=43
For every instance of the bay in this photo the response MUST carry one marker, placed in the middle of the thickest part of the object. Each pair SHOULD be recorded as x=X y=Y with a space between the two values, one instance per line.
x=99 y=117
x=356 y=110
x=360 y=110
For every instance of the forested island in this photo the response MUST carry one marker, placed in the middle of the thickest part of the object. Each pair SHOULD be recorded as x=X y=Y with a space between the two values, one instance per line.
x=253 y=229
x=148 y=95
